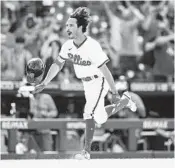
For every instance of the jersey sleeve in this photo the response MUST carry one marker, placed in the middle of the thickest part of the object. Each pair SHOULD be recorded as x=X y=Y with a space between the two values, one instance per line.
x=62 y=57
x=98 y=56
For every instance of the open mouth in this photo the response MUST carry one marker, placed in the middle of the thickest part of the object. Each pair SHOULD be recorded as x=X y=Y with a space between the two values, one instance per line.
x=69 y=33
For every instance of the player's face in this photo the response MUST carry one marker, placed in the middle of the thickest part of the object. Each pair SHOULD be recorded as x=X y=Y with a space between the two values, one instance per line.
x=72 y=28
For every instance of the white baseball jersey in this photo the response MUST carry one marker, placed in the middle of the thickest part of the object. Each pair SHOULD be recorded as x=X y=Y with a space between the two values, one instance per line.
x=86 y=58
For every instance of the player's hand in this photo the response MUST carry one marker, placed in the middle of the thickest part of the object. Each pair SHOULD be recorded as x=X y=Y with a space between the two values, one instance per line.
x=39 y=88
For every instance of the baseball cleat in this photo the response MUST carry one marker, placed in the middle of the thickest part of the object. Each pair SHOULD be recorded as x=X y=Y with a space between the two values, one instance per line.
x=125 y=101
x=84 y=155
x=131 y=105
x=120 y=105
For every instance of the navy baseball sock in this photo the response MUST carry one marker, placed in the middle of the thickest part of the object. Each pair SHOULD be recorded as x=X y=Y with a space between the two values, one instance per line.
x=89 y=132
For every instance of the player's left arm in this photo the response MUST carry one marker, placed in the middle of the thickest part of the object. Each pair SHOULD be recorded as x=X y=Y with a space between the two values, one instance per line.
x=108 y=76
x=99 y=59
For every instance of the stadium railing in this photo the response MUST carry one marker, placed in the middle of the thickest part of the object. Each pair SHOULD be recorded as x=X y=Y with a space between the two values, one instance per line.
x=132 y=125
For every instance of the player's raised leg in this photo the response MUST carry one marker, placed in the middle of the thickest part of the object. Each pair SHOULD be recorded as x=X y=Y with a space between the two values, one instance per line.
x=125 y=101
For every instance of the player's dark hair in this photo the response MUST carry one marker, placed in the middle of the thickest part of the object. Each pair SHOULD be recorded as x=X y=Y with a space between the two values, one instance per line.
x=82 y=15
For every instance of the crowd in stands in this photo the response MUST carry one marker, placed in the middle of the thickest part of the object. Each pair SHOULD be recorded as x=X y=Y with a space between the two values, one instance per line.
x=137 y=36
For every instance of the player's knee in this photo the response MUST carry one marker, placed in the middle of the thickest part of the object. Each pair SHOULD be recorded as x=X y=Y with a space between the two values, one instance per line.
x=100 y=118
x=87 y=116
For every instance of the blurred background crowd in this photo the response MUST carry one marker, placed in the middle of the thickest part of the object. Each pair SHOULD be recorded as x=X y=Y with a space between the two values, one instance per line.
x=137 y=36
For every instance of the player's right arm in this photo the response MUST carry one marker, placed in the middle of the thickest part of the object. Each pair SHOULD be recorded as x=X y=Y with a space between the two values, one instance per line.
x=54 y=69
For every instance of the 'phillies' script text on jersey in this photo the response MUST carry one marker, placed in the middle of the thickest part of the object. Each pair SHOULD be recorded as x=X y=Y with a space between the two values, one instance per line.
x=76 y=59
x=87 y=58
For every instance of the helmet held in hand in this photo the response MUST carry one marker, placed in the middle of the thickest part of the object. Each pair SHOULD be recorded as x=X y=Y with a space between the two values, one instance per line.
x=35 y=70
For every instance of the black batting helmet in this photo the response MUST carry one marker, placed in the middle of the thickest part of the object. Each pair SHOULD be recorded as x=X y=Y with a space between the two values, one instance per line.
x=35 y=70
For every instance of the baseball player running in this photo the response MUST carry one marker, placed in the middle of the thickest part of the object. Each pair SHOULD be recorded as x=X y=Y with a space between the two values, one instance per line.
x=89 y=62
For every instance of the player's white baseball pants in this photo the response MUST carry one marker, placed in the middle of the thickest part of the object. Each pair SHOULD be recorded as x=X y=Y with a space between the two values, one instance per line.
x=95 y=92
